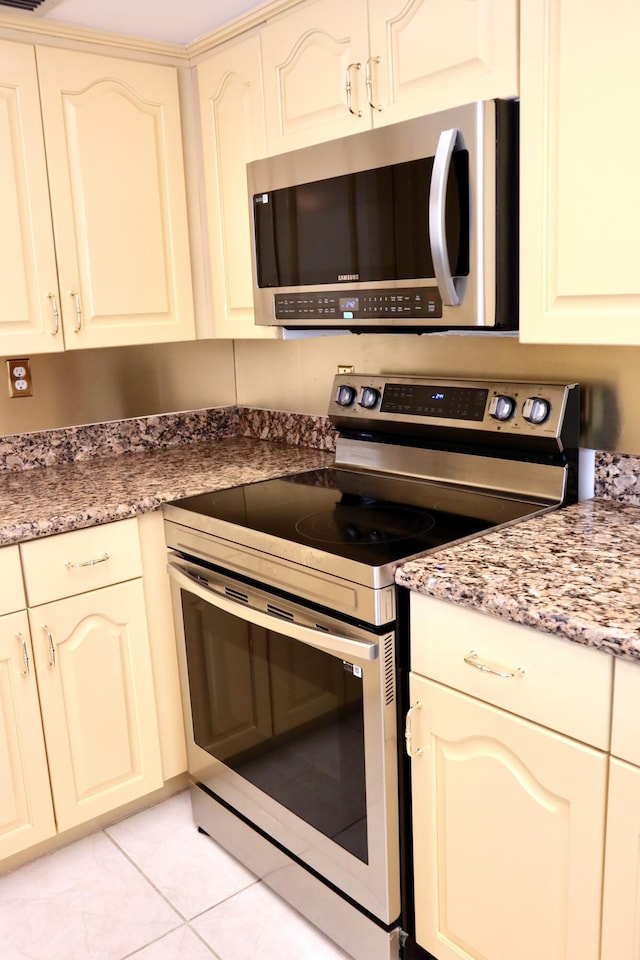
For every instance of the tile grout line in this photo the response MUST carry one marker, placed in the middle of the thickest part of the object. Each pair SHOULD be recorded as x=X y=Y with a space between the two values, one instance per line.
x=186 y=921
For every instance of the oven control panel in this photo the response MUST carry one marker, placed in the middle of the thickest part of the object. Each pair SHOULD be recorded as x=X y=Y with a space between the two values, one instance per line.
x=500 y=407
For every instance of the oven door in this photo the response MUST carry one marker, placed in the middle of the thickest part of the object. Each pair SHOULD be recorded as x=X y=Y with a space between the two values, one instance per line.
x=290 y=721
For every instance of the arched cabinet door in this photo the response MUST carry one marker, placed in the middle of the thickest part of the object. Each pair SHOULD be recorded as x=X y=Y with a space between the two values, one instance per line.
x=508 y=832
x=233 y=134
x=430 y=55
x=26 y=810
x=313 y=66
x=98 y=707
x=29 y=311
x=114 y=154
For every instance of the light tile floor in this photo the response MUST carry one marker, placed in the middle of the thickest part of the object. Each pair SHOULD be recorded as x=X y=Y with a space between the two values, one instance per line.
x=151 y=888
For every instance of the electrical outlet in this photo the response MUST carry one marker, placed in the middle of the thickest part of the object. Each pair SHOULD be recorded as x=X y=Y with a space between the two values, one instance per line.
x=19 y=372
x=346 y=368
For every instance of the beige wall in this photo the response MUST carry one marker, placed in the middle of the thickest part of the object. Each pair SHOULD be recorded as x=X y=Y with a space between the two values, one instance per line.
x=95 y=385
x=91 y=386
x=296 y=375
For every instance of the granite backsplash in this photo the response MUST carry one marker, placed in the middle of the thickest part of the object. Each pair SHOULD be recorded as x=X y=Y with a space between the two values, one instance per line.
x=73 y=444
x=617 y=476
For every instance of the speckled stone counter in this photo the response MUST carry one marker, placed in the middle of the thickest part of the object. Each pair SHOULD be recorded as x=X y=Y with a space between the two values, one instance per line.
x=36 y=503
x=574 y=572
x=61 y=480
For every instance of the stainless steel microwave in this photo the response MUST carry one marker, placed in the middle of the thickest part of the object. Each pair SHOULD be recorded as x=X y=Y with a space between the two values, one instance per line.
x=413 y=226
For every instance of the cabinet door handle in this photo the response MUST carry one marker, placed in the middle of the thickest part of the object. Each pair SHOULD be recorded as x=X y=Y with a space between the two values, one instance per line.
x=52 y=647
x=75 y=565
x=356 y=113
x=408 y=734
x=25 y=655
x=78 y=325
x=56 y=314
x=493 y=668
x=368 y=84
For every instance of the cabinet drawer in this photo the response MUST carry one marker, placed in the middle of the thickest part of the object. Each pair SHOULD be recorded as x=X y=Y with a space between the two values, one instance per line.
x=625 y=730
x=72 y=563
x=563 y=685
x=11 y=588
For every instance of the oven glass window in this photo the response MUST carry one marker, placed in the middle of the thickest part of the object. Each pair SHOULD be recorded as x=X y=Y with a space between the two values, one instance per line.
x=285 y=716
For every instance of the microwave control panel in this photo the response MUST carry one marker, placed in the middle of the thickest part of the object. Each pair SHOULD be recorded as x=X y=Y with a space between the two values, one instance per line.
x=406 y=303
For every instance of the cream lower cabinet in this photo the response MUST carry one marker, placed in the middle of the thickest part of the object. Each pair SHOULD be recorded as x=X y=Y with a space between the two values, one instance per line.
x=580 y=72
x=621 y=904
x=233 y=134
x=98 y=708
x=93 y=236
x=508 y=814
x=508 y=822
x=91 y=654
x=332 y=68
x=26 y=808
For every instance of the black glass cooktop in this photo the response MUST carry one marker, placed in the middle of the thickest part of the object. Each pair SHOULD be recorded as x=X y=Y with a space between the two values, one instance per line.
x=367 y=518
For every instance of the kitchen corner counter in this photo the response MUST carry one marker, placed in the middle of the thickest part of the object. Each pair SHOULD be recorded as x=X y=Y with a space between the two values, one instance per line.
x=55 y=499
x=573 y=572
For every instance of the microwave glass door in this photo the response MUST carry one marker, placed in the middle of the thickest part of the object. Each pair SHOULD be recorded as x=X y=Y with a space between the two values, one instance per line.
x=367 y=226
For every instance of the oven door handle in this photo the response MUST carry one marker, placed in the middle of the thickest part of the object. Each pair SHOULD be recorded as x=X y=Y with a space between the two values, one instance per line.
x=330 y=642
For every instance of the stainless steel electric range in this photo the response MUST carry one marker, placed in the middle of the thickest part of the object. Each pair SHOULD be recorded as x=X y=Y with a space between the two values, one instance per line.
x=289 y=646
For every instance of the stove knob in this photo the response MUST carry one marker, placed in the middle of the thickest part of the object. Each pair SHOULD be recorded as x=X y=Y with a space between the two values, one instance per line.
x=536 y=410
x=369 y=397
x=502 y=407
x=346 y=395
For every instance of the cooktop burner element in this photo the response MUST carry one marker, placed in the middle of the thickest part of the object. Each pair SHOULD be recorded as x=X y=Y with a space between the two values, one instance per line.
x=420 y=464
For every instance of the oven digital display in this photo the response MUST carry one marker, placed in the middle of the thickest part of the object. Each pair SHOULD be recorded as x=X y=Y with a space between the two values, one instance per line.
x=420 y=400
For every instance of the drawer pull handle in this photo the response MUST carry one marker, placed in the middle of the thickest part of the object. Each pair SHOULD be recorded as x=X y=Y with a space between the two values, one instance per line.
x=52 y=647
x=494 y=669
x=408 y=735
x=25 y=655
x=86 y=563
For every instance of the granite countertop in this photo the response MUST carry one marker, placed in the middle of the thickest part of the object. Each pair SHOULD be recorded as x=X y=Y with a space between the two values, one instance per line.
x=55 y=499
x=573 y=572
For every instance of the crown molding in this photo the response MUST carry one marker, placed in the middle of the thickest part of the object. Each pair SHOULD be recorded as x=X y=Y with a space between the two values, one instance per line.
x=247 y=21
x=18 y=26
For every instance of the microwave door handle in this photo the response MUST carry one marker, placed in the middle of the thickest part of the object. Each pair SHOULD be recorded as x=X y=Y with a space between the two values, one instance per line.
x=437 y=217
x=332 y=643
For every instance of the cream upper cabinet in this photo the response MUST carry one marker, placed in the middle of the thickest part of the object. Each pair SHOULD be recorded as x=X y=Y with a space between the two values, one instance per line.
x=313 y=59
x=429 y=55
x=334 y=68
x=580 y=203
x=28 y=277
x=26 y=810
x=233 y=133
x=114 y=156
x=508 y=814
